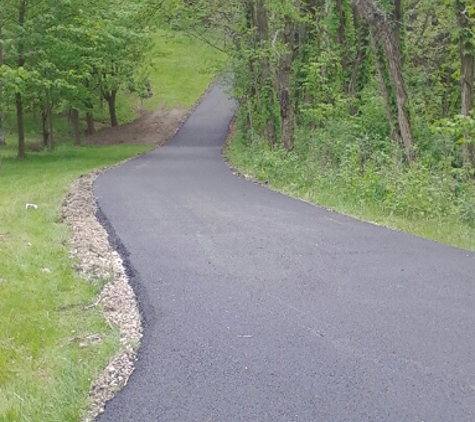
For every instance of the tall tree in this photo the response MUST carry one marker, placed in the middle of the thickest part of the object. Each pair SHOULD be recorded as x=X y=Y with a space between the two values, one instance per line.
x=465 y=14
x=20 y=63
x=2 y=60
x=386 y=28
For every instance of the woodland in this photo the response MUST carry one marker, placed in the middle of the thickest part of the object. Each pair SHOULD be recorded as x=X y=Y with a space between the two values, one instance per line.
x=67 y=57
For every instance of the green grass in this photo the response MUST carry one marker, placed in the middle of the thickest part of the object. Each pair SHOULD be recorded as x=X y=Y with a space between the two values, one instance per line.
x=302 y=178
x=196 y=62
x=45 y=375
x=182 y=68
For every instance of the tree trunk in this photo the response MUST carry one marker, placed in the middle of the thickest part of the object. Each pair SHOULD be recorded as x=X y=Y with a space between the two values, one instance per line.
x=91 y=130
x=75 y=127
x=340 y=9
x=391 y=42
x=362 y=36
x=268 y=98
x=467 y=70
x=44 y=127
x=18 y=98
x=385 y=90
x=49 y=118
x=285 y=97
x=110 y=98
x=21 y=126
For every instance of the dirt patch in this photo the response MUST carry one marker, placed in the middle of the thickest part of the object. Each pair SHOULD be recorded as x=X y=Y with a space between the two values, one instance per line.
x=151 y=128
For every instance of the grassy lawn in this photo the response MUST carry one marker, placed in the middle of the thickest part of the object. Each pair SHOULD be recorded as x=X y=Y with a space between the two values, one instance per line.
x=45 y=374
x=172 y=88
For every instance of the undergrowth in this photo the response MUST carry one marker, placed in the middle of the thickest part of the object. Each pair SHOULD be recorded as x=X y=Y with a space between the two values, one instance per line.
x=347 y=166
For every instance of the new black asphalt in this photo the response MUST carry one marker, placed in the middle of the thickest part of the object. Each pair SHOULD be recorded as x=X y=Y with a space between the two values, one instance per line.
x=258 y=307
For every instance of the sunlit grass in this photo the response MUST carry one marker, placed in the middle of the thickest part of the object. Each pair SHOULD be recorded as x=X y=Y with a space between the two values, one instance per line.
x=181 y=70
x=44 y=314
x=197 y=64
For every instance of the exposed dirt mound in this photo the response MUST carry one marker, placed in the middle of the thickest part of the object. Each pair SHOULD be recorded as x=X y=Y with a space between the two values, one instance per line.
x=152 y=128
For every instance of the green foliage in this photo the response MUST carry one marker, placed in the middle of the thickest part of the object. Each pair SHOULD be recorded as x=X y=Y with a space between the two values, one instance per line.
x=348 y=150
x=333 y=168
x=68 y=54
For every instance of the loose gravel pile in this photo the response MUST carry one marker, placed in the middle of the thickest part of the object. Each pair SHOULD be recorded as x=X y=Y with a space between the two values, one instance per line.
x=95 y=259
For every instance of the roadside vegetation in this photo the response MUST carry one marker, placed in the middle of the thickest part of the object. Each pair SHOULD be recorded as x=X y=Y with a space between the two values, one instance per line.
x=47 y=363
x=363 y=106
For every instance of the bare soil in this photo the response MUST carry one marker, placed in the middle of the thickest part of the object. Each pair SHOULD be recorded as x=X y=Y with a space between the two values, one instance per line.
x=151 y=128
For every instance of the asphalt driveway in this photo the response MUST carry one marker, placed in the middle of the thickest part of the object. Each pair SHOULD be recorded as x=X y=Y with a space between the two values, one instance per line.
x=258 y=307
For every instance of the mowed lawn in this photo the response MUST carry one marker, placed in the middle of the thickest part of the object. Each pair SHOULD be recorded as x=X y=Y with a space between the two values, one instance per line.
x=45 y=312
x=44 y=305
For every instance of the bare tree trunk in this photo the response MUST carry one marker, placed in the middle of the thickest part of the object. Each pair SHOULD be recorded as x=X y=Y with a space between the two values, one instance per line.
x=285 y=97
x=110 y=97
x=467 y=70
x=391 y=42
x=18 y=98
x=75 y=126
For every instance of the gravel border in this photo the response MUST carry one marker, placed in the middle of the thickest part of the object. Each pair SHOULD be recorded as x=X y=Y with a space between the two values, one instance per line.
x=95 y=259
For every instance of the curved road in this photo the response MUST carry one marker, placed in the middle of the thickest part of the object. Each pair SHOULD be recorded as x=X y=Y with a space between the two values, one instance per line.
x=258 y=307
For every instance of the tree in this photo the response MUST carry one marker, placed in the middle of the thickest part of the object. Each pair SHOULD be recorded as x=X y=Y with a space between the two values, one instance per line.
x=386 y=29
x=465 y=14
x=2 y=60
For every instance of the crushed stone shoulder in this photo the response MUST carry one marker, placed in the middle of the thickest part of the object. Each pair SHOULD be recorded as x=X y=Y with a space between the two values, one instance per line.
x=96 y=259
